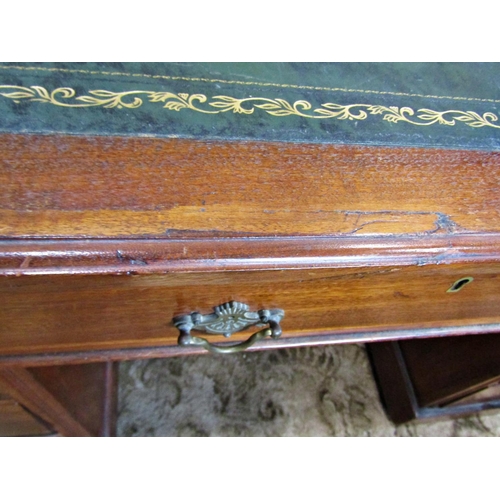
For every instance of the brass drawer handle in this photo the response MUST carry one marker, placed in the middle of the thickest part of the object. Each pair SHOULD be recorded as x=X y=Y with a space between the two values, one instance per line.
x=227 y=319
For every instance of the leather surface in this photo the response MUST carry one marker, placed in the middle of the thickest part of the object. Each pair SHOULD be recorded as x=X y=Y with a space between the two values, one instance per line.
x=445 y=105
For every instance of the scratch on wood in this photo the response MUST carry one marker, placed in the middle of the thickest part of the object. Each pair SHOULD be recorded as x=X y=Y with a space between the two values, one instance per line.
x=26 y=262
x=443 y=223
x=352 y=275
x=331 y=222
x=24 y=265
x=134 y=262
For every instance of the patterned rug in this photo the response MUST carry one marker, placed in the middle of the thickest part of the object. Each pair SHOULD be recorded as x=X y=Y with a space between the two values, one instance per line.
x=310 y=391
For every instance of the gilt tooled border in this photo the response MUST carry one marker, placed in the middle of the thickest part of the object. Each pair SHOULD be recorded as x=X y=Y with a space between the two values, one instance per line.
x=66 y=97
x=239 y=82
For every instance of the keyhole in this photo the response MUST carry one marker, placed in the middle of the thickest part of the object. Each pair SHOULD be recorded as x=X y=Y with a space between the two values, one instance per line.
x=458 y=285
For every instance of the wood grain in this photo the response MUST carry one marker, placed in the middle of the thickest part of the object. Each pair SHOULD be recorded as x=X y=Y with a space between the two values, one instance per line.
x=24 y=388
x=16 y=421
x=143 y=187
x=77 y=313
x=444 y=370
x=87 y=391
x=77 y=400
x=394 y=385
x=103 y=240
x=437 y=377
x=134 y=257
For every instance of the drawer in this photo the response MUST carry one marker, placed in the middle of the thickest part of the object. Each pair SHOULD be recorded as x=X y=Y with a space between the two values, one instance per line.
x=47 y=314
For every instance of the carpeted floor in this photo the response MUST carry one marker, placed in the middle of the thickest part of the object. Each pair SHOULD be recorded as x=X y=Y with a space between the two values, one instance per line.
x=319 y=391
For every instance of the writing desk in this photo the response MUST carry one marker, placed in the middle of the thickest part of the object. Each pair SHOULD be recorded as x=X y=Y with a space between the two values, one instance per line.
x=330 y=202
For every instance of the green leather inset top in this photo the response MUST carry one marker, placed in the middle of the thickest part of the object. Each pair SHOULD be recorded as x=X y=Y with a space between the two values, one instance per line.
x=445 y=105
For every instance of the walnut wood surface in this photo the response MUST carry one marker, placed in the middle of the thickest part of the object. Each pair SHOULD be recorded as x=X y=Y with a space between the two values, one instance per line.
x=87 y=391
x=444 y=370
x=343 y=238
x=393 y=383
x=77 y=313
x=149 y=256
x=437 y=377
x=17 y=421
x=77 y=400
x=165 y=188
x=490 y=393
x=24 y=388
x=104 y=239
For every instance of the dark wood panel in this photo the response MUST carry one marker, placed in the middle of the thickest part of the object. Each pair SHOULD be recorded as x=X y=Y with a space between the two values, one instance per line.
x=87 y=391
x=443 y=370
x=17 y=421
x=393 y=383
x=437 y=377
x=24 y=388
x=489 y=394
x=77 y=400
x=129 y=187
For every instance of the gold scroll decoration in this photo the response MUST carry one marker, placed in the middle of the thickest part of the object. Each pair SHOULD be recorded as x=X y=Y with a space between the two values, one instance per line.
x=66 y=97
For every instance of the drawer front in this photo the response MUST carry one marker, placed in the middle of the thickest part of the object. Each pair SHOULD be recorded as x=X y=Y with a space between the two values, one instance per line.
x=44 y=314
